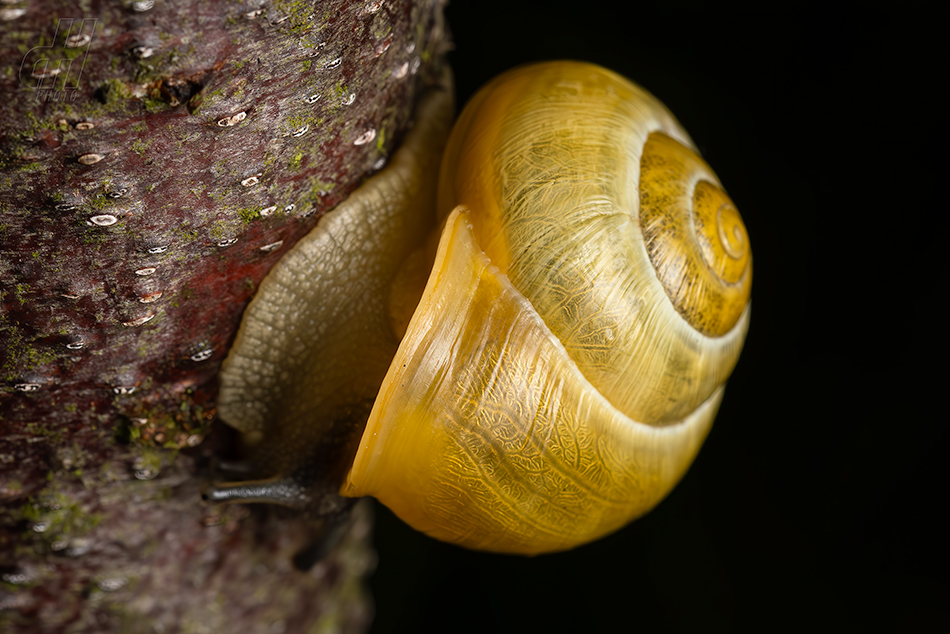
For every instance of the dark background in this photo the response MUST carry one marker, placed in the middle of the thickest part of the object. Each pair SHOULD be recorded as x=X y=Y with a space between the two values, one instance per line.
x=818 y=501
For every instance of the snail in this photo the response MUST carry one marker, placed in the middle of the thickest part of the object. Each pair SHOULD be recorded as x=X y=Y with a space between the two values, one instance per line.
x=538 y=349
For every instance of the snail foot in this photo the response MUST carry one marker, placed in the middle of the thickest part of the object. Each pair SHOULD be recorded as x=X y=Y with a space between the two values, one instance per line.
x=278 y=490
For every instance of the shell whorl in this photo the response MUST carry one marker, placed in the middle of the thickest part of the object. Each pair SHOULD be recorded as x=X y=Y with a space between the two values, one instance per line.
x=549 y=158
x=694 y=235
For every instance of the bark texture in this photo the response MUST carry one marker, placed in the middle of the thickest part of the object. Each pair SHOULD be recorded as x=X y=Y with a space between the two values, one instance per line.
x=156 y=158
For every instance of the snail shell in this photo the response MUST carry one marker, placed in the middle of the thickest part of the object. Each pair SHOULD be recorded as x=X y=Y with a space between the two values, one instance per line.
x=588 y=299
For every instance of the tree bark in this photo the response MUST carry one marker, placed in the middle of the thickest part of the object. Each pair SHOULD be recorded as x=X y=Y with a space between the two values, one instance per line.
x=156 y=159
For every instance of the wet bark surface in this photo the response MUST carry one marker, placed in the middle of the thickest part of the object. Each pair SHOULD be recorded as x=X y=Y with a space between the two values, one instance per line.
x=155 y=160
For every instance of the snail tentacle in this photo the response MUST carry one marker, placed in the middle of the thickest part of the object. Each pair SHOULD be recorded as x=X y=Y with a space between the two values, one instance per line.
x=278 y=490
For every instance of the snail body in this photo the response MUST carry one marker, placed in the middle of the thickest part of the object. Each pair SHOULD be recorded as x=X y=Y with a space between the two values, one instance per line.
x=315 y=342
x=588 y=299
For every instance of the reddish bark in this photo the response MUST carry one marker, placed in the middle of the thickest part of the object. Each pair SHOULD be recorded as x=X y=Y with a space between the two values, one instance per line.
x=146 y=186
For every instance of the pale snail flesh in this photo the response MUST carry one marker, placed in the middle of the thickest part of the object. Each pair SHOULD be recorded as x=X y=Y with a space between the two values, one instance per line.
x=588 y=299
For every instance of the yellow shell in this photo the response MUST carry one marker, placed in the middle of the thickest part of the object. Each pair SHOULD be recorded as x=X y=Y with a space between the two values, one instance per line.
x=588 y=300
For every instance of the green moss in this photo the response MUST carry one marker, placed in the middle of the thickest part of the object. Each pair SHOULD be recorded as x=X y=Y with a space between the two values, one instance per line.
x=295 y=161
x=140 y=147
x=187 y=235
x=33 y=124
x=219 y=229
x=101 y=202
x=115 y=92
x=318 y=189
x=72 y=53
x=299 y=14
x=155 y=105
x=32 y=167
x=93 y=237
x=381 y=26
x=249 y=214
x=339 y=91
x=14 y=485
x=20 y=291
x=147 y=346
x=20 y=36
x=149 y=459
x=195 y=103
x=218 y=194
x=37 y=429
x=153 y=69
x=56 y=515
x=299 y=122
x=306 y=64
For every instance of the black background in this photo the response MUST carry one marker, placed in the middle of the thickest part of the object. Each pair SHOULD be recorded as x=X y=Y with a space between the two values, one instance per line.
x=818 y=501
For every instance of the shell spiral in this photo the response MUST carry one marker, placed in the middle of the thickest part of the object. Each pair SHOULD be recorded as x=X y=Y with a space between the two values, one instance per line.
x=589 y=299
